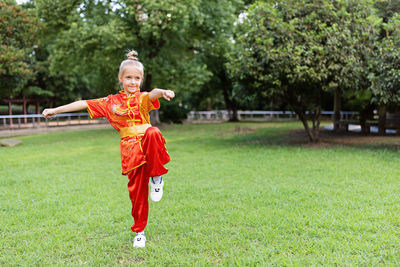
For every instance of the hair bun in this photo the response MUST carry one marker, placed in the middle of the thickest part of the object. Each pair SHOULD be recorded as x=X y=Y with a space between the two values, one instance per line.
x=132 y=55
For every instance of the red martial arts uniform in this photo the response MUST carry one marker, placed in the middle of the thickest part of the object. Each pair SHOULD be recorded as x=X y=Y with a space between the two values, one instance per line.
x=143 y=152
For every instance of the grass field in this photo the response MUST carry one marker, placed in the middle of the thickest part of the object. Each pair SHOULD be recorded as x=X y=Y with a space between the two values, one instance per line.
x=248 y=194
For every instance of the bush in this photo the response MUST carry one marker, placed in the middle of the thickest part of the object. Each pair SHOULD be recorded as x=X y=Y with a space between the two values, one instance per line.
x=172 y=112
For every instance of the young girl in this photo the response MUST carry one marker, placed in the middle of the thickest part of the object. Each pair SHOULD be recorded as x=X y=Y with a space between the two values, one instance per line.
x=143 y=152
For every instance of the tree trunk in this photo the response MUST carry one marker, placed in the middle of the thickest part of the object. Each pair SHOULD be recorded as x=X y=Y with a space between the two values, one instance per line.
x=365 y=114
x=154 y=117
x=24 y=109
x=234 y=115
x=154 y=114
x=337 y=108
x=382 y=119
x=147 y=82
x=10 y=112
x=232 y=110
x=230 y=103
x=316 y=123
x=313 y=134
x=363 y=124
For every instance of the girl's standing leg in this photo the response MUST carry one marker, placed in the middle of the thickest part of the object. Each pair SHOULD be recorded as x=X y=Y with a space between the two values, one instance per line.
x=138 y=193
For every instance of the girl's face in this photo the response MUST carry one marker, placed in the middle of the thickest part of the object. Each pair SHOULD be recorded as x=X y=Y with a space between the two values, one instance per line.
x=131 y=79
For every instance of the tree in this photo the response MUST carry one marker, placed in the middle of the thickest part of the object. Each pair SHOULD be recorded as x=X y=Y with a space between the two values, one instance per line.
x=175 y=41
x=167 y=43
x=385 y=73
x=18 y=29
x=99 y=33
x=296 y=50
x=83 y=41
x=384 y=60
x=364 y=25
x=215 y=37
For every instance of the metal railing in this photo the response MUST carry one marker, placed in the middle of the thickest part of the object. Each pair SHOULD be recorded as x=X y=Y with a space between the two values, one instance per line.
x=66 y=119
x=260 y=115
x=37 y=120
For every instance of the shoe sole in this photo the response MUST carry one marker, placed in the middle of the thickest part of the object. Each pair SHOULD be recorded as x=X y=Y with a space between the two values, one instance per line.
x=157 y=200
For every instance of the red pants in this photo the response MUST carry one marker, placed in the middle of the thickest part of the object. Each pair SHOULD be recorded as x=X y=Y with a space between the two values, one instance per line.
x=153 y=145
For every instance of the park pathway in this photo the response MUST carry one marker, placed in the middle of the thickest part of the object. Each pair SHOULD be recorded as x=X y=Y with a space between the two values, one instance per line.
x=5 y=133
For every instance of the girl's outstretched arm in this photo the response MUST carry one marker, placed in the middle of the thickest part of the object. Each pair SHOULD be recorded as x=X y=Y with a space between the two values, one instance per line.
x=157 y=93
x=74 y=106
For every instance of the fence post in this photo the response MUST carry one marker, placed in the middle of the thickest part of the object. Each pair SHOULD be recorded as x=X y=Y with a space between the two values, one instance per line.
x=10 y=113
x=37 y=107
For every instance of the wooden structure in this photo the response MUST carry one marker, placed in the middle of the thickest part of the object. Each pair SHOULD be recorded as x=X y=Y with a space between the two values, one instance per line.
x=25 y=102
x=392 y=121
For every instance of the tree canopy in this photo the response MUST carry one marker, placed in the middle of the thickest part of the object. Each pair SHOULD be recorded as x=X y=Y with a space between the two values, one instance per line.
x=18 y=29
x=296 y=50
x=385 y=64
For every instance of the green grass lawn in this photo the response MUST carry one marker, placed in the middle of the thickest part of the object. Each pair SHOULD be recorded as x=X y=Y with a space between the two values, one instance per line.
x=236 y=194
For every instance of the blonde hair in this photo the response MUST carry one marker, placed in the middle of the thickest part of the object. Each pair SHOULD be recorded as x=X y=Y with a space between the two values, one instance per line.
x=131 y=61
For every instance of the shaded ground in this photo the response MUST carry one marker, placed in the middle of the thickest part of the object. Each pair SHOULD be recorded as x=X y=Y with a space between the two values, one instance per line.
x=330 y=139
x=275 y=134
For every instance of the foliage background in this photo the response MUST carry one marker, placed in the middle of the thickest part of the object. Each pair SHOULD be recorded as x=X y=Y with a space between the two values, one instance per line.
x=297 y=55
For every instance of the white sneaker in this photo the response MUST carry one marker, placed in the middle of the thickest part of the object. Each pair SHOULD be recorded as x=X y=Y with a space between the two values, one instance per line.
x=156 y=184
x=140 y=240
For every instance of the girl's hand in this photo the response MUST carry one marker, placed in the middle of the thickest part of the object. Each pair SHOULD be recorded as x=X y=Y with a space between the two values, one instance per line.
x=168 y=94
x=49 y=113
x=74 y=106
x=157 y=93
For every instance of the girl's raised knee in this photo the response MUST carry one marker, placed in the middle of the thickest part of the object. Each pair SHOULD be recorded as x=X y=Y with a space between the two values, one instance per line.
x=152 y=131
